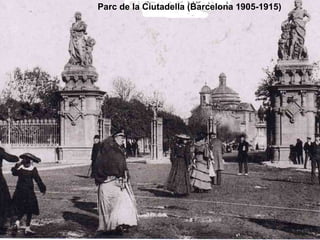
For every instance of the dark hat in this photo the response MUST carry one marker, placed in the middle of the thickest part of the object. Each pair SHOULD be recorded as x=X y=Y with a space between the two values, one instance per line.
x=31 y=157
x=118 y=133
x=183 y=136
x=200 y=136
x=96 y=136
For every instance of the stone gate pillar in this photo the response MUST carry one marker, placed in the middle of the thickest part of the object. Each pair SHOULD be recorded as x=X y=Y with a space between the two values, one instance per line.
x=293 y=91
x=80 y=108
x=157 y=139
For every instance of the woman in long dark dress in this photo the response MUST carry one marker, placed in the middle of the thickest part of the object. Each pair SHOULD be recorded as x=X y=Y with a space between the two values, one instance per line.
x=5 y=199
x=24 y=198
x=179 y=179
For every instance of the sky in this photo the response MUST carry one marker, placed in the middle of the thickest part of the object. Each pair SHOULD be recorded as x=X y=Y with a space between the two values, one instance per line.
x=172 y=54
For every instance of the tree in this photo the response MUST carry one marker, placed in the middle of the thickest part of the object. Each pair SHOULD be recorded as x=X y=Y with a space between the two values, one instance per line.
x=31 y=94
x=135 y=118
x=225 y=133
x=198 y=121
x=132 y=116
x=172 y=125
x=263 y=91
x=123 y=88
x=30 y=86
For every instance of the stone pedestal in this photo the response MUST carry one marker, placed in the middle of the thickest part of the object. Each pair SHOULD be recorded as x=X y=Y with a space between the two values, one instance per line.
x=293 y=102
x=80 y=112
x=156 y=140
x=261 y=137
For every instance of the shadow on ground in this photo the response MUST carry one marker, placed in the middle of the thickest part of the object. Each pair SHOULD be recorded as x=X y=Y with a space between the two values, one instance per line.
x=254 y=157
x=294 y=228
x=157 y=192
x=82 y=176
x=89 y=222
x=85 y=206
x=296 y=181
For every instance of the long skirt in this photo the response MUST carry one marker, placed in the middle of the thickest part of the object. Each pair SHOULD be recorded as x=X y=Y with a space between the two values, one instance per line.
x=179 y=179
x=200 y=178
x=5 y=200
x=25 y=201
x=115 y=206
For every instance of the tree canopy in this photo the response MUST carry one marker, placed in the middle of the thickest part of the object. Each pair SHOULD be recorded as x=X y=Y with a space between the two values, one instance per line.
x=198 y=121
x=135 y=118
x=123 y=88
x=132 y=116
x=30 y=93
x=263 y=91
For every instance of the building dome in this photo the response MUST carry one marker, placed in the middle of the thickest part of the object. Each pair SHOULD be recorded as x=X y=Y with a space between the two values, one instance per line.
x=205 y=89
x=224 y=94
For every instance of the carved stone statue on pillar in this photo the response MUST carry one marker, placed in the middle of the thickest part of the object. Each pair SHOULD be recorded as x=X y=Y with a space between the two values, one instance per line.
x=80 y=111
x=78 y=72
x=291 y=43
x=292 y=96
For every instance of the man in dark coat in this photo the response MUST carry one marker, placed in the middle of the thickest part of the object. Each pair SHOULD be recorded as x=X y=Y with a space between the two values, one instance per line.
x=94 y=153
x=307 y=151
x=299 y=151
x=315 y=159
x=216 y=147
x=5 y=199
x=243 y=149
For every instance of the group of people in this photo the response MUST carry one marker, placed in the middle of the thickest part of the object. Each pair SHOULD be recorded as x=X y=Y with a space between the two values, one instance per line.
x=195 y=166
x=24 y=201
x=296 y=152
x=311 y=153
x=132 y=148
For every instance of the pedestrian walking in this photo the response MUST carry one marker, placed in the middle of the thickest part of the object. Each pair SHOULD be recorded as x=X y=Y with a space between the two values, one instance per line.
x=179 y=180
x=116 y=202
x=200 y=179
x=243 y=149
x=24 y=198
x=216 y=147
x=293 y=154
x=299 y=151
x=5 y=198
x=307 y=151
x=128 y=149
x=270 y=153
x=94 y=153
x=315 y=159
x=134 y=148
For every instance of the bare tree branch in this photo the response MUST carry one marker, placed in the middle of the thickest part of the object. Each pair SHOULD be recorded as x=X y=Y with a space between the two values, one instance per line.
x=123 y=88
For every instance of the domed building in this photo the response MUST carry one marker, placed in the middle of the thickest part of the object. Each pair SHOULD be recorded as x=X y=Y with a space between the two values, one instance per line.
x=225 y=106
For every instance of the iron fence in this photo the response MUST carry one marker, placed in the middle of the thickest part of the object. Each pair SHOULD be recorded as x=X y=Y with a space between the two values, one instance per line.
x=30 y=132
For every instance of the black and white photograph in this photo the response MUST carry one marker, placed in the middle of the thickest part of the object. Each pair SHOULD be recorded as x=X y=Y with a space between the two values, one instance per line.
x=160 y=119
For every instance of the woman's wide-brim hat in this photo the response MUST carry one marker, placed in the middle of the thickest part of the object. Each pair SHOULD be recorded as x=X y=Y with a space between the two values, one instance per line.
x=183 y=136
x=31 y=157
